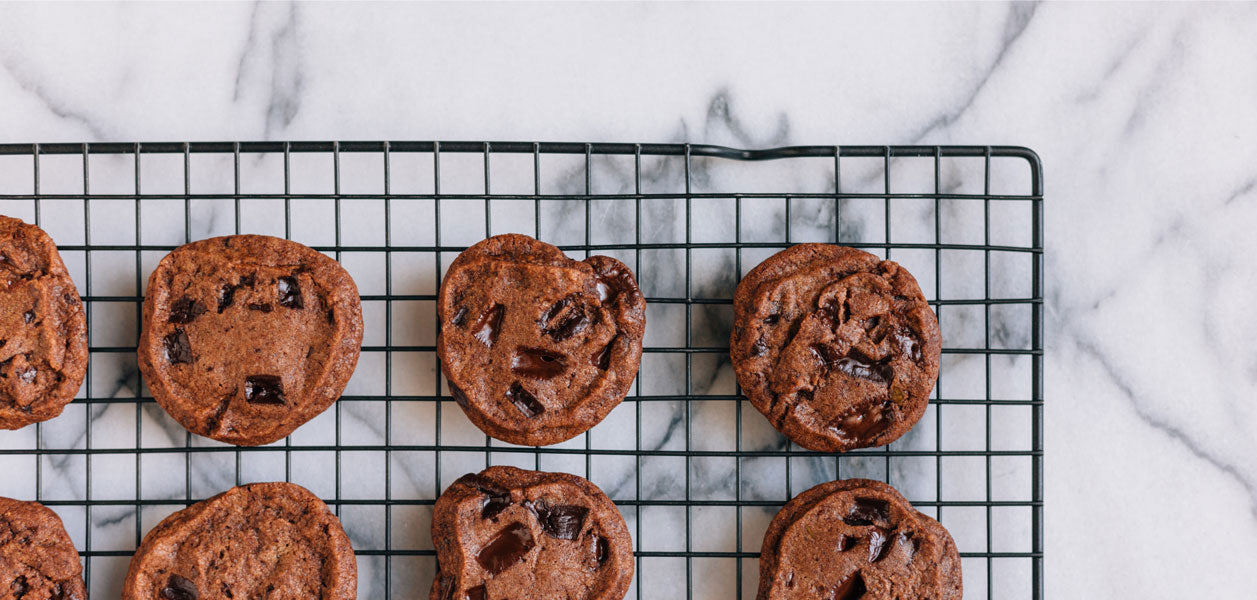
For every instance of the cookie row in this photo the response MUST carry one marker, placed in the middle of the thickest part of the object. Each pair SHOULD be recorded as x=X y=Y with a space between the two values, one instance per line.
x=838 y=348
x=244 y=339
x=247 y=337
x=554 y=534
x=503 y=532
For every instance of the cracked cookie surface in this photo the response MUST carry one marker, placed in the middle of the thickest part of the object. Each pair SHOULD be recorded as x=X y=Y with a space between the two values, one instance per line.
x=837 y=347
x=247 y=337
x=537 y=347
x=529 y=535
x=37 y=559
x=857 y=539
x=263 y=540
x=43 y=328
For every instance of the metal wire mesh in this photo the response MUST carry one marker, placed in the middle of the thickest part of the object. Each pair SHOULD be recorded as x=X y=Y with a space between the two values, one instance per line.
x=695 y=470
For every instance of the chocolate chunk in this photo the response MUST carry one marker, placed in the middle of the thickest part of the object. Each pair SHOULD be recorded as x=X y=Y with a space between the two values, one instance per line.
x=613 y=283
x=856 y=364
x=459 y=316
x=265 y=308
x=565 y=521
x=908 y=344
x=878 y=544
x=477 y=593
x=179 y=588
x=178 y=349
x=226 y=295
x=496 y=497
x=560 y=324
x=185 y=310
x=494 y=505
x=908 y=541
x=212 y=423
x=602 y=550
x=772 y=319
x=487 y=327
x=846 y=542
x=602 y=359
x=571 y=324
x=860 y=424
x=458 y=395
x=825 y=354
x=524 y=400
x=557 y=308
x=759 y=348
x=867 y=511
x=828 y=315
x=851 y=588
x=264 y=389
x=536 y=363
x=19 y=587
x=28 y=317
x=448 y=586
x=289 y=293
x=562 y=521
x=871 y=323
x=508 y=547
x=61 y=593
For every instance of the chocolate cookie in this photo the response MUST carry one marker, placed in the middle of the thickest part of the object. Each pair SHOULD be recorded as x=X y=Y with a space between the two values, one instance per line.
x=856 y=539
x=43 y=330
x=837 y=347
x=529 y=535
x=246 y=337
x=263 y=540
x=37 y=559
x=538 y=347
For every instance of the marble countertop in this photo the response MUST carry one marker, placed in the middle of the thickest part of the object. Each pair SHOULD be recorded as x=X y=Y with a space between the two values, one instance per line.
x=1143 y=116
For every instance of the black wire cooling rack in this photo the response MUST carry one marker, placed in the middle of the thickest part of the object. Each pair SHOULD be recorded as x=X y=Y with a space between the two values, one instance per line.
x=695 y=470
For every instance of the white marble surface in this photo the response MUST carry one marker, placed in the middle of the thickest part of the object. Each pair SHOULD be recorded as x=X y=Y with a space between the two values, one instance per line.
x=1143 y=116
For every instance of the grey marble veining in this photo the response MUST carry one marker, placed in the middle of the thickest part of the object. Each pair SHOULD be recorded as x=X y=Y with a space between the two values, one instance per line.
x=1142 y=115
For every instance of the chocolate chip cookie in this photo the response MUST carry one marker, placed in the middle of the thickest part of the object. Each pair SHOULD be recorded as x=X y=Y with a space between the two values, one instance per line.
x=528 y=535
x=43 y=328
x=856 y=539
x=537 y=347
x=837 y=347
x=246 y=337
x=37 y=559
x=263 y=540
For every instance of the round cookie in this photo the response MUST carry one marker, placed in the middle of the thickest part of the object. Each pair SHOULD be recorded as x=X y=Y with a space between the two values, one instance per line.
x=837 y=347
x=43 y=329
x=529 y=535
x=263 y=540
x=37 y=559
x=856 y=539
x=246 y=337
x=537 y=347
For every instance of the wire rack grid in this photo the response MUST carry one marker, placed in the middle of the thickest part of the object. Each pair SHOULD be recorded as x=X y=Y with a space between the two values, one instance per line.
x=696 y=471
